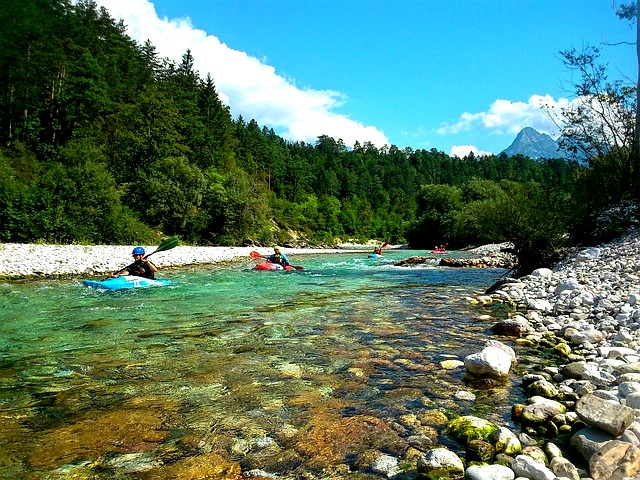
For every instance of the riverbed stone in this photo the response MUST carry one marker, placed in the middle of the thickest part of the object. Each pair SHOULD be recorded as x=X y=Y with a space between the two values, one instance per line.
x=627 y=376
x=451 y=364
x=574 y=370
x=512 y=328
x=440 y=464
x=562 y=467
x=615 y=460
x=466 y=428
x=386 y=465
x=491 y=361
x=587 y=441
x=625 y=388
x=604 y=414
x=535 y=452
x=489 y=472
x=505 y=441
x=541 y=409
x=525 y=466
x=480 y=450
x=543 y=388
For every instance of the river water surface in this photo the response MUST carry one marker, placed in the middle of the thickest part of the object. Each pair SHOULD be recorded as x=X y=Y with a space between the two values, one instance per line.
x=302 y=374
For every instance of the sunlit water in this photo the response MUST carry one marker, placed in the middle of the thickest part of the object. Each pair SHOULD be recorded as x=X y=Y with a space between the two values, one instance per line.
x=233 y=369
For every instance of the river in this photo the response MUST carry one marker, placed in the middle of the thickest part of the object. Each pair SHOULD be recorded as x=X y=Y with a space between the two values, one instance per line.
x=302 y=374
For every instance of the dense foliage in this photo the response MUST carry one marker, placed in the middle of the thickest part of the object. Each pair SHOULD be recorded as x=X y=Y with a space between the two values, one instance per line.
x=102 y=141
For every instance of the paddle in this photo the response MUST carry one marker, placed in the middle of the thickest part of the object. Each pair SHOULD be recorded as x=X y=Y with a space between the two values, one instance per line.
x=255 y=254
x=166 y=244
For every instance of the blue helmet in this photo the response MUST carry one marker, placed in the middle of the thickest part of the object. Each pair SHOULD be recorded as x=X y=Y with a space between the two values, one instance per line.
x=138 y=251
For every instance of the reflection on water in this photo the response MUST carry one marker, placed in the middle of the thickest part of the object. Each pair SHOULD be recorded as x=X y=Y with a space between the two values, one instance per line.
x=229 y=370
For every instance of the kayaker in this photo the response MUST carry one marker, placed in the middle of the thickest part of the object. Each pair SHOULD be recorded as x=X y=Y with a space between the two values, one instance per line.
x=141 y=267
x=279 y=257
x=378 y=250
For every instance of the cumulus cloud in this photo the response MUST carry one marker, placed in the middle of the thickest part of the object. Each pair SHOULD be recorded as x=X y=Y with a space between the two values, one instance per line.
x=464 y=150
x=507 y=117
x=250 y=87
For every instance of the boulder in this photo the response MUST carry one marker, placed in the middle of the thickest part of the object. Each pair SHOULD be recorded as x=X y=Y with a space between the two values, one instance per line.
x=615 y=460
x=587 y=441
x=611 y=417
x=540 y=410
x=512 y=328
x=466 y=428
x=491 y=362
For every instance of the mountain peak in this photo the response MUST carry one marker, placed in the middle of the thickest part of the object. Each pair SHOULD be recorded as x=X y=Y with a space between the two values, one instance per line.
x=533 y=144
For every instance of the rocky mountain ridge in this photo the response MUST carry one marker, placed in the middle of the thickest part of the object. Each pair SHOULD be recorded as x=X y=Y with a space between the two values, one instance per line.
x=533 y=144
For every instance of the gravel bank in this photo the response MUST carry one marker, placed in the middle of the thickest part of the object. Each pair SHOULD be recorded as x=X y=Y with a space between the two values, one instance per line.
x=587 y=309
x=33 y=260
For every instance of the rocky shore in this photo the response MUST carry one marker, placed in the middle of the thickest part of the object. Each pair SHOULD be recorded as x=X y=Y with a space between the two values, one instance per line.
x=582 y=417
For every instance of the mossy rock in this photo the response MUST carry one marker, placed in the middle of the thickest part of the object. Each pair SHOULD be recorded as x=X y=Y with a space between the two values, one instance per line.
x=562 y=350
x=480 y=451
x=466 y=428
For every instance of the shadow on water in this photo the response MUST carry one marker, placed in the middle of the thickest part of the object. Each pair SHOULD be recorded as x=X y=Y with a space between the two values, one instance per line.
x=232 y=369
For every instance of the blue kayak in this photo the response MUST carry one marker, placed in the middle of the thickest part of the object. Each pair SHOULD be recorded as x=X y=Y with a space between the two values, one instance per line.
x=125 y=282
x=375 y=255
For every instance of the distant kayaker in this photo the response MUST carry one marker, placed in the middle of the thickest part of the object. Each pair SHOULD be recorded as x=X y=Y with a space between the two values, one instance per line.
x=279 y=257
x=141 y=267
x=377 y=250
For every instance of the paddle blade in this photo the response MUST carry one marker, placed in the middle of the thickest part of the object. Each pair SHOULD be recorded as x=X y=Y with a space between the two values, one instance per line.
x=167 y=244
x=384 y=244
x=297 y=267
x=255 y=254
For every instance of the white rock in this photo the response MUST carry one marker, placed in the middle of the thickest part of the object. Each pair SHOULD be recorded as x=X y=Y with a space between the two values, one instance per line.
x=491 y=361
x=489 y=472
x=525 y=466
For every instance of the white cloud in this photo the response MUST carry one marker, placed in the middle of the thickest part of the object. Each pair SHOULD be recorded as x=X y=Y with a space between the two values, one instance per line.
x=250 y=87
x=464 y=150
x=507 y=117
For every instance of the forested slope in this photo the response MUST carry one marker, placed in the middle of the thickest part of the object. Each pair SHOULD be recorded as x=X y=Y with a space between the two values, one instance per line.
x=103 y=141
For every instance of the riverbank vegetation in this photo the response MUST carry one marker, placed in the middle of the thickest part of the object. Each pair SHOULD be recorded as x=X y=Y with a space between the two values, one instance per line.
x=103 y=141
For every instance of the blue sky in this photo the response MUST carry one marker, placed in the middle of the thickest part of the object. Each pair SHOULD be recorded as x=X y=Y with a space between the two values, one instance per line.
x=454 y=75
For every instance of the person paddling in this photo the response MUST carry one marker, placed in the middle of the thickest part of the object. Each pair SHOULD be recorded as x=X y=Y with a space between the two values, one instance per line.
x=141 y=267
x=378 y=249
x=279 y=257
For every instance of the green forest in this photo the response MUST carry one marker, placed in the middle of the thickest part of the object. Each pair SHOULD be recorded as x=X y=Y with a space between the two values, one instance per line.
x=104 y=142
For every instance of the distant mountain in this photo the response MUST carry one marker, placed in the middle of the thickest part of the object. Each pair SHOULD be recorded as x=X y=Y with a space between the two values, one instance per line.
x=533 y=144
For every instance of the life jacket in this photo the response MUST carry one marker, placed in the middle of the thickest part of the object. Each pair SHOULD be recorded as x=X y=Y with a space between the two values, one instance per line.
x=277 y=258
x=140 y=269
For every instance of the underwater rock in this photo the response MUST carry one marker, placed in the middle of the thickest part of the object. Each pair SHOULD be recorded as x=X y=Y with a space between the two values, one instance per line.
x=466 y=428
x=440 y=464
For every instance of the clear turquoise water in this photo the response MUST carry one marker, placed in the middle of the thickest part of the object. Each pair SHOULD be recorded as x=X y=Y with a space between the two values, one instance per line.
x=227 y=355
